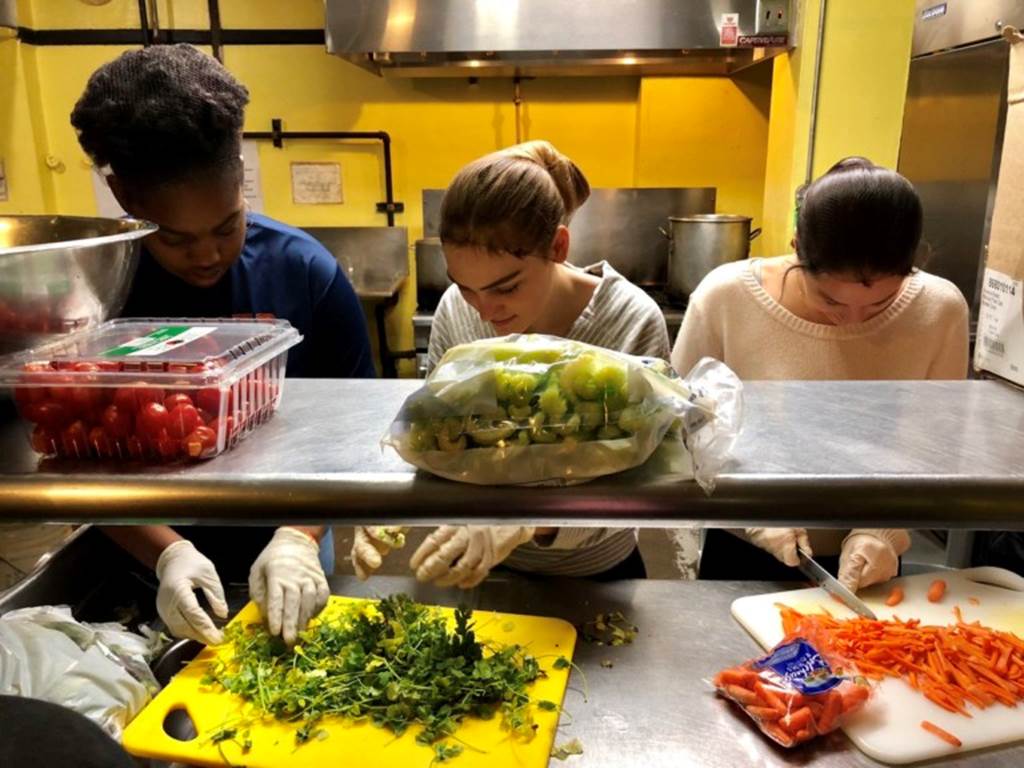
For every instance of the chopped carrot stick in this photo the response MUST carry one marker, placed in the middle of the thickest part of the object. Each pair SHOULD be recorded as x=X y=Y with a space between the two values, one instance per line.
x=936 y=590
x=946 y=736
x=895 y=597
x=957 y=666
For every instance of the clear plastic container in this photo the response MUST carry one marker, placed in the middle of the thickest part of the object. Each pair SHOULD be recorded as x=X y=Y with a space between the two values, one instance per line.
x=151 y=389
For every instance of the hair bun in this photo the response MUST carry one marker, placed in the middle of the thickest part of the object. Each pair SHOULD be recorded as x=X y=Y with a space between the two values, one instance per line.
x=572 y=185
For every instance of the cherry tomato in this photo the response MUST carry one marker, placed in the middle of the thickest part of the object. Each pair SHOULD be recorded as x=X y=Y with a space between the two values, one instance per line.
x=27 y=396
x=182 y=420
x=117 y=421
x=101 y=443
x=134 y=397
x=202 y=441
x=164 y=446
x=205 y=416
x=226 y=425
x=50 y=415
x=135 y=447
x=61 y=390
x=177 y=398
x=44 y=441
x=152 y=418
x=209 y=399
x=74 y=440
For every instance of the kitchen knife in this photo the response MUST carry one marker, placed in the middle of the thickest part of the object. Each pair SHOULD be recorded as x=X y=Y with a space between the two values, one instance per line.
x=813 y=570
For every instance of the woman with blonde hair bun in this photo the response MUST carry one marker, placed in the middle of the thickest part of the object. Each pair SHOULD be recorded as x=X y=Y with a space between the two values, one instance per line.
x=504 y=230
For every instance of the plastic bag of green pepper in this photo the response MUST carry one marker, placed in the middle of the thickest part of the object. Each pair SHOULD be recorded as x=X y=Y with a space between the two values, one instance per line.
x=531 y=409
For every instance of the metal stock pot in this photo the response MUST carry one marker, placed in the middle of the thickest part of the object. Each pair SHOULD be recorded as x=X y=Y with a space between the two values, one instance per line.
x=699 y=243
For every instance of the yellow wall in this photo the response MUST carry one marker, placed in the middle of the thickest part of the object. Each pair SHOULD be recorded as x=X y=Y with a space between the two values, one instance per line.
x=22 y=145
x=864 y=67
x=621 y=131
x=707 y=132
x=863 y=81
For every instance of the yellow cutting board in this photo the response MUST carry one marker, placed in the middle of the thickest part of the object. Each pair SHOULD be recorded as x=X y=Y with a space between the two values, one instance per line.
x=363 y=745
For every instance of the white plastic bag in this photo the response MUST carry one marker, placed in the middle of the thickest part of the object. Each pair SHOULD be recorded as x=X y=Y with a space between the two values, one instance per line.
x=98 y=670
x=532 y=409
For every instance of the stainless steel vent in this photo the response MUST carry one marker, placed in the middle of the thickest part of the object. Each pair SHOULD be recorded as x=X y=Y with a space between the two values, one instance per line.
x=534 y=38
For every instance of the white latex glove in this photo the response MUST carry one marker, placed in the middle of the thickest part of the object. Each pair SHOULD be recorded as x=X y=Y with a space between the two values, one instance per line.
x=182 y=569
x=871 y=555
x=288 y=583
x=463 y=555
x=371 y=544
x=780 y=542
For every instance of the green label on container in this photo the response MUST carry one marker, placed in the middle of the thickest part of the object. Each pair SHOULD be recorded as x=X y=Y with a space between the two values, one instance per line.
x=158 y=342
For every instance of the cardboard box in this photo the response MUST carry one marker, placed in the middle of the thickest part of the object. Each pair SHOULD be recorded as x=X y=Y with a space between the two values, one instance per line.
x=1000 y=342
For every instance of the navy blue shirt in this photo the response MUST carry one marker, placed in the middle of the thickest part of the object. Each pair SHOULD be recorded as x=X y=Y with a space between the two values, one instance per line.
x=286 y=273
x=283 y=272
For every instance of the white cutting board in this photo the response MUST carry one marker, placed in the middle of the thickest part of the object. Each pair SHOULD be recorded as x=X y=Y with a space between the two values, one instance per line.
x=888 y=728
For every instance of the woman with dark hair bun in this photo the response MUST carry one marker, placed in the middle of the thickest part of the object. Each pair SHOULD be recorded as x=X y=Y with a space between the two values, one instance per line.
x=164 y=124
x=851 y=303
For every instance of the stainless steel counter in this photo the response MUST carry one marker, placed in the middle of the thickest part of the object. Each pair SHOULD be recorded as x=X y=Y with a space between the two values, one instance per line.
x=931 y=454
x=655 y=707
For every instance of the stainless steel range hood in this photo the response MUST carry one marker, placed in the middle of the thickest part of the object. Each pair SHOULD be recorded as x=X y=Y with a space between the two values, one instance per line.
x=553 y=38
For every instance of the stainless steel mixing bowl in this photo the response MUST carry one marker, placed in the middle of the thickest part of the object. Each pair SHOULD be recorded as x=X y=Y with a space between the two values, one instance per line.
x=63 y=273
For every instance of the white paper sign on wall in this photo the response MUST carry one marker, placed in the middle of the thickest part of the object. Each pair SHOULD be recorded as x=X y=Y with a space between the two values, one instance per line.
x=252 y=186
x=316 y=183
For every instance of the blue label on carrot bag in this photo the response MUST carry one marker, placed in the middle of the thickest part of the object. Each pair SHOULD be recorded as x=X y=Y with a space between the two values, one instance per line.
x=800 y=665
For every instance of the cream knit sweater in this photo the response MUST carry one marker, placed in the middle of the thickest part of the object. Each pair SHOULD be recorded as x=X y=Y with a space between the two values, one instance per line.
x=923 y=334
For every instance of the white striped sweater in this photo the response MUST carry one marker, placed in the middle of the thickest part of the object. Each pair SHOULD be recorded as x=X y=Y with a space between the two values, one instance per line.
x=619 y=316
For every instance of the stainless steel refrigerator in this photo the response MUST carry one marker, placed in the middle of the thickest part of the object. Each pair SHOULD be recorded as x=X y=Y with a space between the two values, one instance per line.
x=953 y=128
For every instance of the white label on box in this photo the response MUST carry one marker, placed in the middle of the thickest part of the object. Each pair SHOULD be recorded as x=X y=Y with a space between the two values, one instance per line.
x=159 y=341
x=1000 y=344
x=316 y=183
x=252 y=187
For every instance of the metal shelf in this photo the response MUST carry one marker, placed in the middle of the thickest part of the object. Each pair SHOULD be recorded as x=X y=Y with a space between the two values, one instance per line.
x=825 y=454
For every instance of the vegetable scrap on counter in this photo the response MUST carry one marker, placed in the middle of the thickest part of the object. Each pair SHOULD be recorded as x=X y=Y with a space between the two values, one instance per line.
x=609 y=629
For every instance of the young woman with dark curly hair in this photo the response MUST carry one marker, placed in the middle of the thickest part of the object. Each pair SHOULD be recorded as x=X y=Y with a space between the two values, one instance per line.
x=165 y=126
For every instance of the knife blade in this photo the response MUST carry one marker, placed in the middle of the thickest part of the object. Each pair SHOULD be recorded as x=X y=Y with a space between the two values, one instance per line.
x=813 y=570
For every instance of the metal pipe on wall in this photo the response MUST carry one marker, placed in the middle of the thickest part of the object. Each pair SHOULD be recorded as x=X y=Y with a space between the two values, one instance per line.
x=389 y=207
x=154 y=22
x=144 y=23
x=215 y=30
x=276 y=135
x=517 y=99
x=812 y=134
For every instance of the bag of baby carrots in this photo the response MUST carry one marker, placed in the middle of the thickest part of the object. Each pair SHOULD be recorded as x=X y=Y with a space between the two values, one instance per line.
x=794 y=693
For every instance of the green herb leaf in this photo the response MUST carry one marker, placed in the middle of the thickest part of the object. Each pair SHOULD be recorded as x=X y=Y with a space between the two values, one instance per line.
x=444 y=752
x=394 y=663
x=564 y=751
